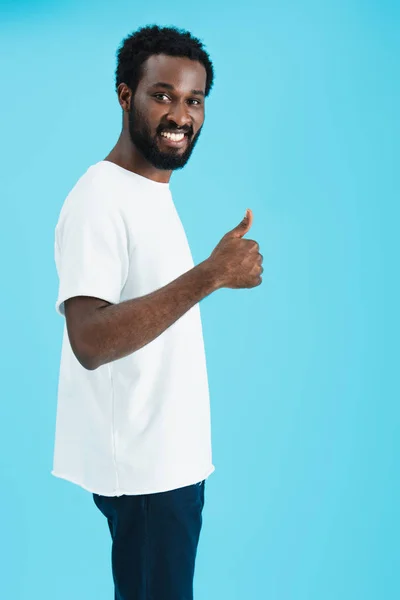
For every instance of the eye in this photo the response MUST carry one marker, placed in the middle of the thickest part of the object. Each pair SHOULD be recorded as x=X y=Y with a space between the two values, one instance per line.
x=194 y=101
x=161 y=97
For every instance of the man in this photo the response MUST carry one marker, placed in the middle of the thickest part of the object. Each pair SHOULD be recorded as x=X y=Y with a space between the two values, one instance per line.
x=133 y=416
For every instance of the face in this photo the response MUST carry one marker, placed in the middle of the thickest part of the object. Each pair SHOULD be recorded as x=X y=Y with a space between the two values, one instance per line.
x=167 y=111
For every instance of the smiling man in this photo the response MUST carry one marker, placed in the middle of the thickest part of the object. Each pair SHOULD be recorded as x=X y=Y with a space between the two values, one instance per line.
x=133 y=417
x=163 y=143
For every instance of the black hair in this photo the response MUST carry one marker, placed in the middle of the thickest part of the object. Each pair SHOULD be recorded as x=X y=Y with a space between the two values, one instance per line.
x=149 y=40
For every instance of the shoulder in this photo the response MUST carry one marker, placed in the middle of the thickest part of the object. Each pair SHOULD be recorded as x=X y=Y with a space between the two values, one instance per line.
x=94 y=194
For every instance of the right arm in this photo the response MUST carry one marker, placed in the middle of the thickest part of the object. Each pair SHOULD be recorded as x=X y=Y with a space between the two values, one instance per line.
x=101 y=332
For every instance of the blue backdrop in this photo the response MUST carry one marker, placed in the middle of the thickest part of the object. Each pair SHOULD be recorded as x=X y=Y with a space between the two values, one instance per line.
x=302 y=126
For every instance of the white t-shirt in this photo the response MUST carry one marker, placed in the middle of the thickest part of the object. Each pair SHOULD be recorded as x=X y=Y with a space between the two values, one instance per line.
x=139 y=424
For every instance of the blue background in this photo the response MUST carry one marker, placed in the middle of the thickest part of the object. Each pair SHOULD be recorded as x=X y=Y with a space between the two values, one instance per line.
x=303 y=127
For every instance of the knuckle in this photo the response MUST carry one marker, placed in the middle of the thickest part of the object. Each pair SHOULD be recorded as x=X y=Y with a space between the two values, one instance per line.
x=253 y=245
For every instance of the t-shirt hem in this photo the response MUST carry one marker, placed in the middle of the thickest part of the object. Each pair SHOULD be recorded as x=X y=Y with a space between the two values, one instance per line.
x=132 y=492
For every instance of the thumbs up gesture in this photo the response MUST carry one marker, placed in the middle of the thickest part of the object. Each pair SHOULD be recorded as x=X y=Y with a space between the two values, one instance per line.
x=237 y=261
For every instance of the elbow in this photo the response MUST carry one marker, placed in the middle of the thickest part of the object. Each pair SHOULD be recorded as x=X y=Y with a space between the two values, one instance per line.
x=85 y=355
x=84 y=339
x=88 y=364
x=87 y=361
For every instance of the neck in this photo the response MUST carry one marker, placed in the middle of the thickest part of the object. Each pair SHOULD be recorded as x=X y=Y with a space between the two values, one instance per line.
x=125 y=155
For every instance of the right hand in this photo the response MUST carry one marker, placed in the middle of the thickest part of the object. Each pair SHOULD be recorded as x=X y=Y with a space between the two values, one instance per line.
x=237 y=262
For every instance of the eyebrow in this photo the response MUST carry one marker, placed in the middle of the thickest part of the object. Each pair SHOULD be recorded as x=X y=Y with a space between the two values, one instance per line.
x=169 y=86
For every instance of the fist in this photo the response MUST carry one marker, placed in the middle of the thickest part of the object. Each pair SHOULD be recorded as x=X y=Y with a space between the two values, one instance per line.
x=237 y=262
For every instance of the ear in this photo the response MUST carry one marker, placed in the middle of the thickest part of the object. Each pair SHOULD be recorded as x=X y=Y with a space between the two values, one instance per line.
x=124 y=97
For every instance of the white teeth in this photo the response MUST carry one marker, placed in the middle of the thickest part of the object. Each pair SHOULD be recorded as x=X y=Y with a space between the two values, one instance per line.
x=175 y=137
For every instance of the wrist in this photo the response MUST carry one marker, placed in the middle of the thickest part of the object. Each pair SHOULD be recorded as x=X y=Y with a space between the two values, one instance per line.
x=210 y=275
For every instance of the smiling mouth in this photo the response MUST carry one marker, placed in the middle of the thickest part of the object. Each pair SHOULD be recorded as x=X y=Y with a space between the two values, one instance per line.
x=174 y=140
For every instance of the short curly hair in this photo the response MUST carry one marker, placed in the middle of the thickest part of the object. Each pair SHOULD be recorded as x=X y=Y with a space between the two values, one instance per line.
x=149 y=40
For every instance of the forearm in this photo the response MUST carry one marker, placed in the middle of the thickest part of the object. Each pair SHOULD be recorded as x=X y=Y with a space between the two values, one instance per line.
x=117 y=330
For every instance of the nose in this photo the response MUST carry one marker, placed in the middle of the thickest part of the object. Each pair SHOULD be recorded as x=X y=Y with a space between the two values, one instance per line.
x=178 y=113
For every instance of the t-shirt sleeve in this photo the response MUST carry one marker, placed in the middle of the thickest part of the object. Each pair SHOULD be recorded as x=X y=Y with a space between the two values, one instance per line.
x=91 y=251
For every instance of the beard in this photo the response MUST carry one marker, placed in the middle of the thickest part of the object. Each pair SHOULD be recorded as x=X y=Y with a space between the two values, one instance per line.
x=142 y=139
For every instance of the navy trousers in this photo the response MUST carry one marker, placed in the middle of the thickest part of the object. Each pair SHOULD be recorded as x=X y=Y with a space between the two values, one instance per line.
x=154 y=542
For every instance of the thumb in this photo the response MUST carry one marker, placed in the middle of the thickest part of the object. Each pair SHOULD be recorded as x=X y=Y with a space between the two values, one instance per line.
x=243 y=227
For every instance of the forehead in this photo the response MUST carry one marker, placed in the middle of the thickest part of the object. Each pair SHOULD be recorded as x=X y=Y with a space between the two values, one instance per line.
x=181 y=72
